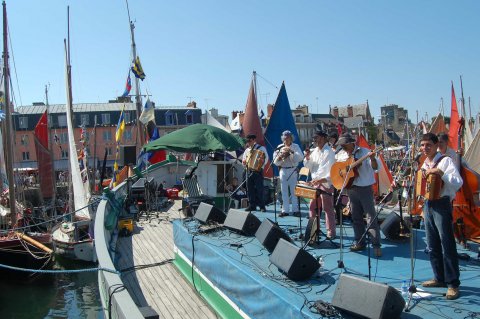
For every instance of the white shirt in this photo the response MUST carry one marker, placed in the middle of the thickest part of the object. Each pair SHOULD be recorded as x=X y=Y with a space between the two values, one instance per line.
x=320 y=163
x=366 y=174
x=291 y=160
x=454 y=156
x=452 y=181
x=255 y=147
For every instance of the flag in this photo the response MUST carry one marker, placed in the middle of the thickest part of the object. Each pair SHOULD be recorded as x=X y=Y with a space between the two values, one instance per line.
x=148 y=112
x=120 y=127
x=454 y=124
x=339 y=129
x=2 y=115
x=137 y=69
x=128 y=86
x=261 y=114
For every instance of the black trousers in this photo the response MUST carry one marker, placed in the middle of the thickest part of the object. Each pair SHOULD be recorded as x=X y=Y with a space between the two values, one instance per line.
x=255 y=189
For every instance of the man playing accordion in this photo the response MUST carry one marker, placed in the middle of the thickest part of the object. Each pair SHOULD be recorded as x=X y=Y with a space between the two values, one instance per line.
x=254 y=172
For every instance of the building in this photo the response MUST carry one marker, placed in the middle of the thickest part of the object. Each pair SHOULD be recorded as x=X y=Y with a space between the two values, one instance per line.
x=359 y=113
x=394 y=117
x=103 y=116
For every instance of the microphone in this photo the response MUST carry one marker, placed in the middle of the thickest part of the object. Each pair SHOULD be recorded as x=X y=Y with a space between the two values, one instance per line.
x=311 y=145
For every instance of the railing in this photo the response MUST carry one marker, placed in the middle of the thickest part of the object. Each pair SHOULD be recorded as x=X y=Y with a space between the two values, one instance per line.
x=116 y=301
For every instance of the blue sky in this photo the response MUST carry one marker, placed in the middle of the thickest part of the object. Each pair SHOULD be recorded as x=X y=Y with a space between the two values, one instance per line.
x=341 y=52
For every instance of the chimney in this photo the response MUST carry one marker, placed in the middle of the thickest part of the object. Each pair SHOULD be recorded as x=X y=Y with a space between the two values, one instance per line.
x=335 y=112
x=350 y=111
x=269 y=110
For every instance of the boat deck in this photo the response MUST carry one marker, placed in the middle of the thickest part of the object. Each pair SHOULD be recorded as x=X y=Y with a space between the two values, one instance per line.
x=154 y=280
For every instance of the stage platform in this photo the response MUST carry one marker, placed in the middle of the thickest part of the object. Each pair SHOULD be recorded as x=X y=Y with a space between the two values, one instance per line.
x=234 y=274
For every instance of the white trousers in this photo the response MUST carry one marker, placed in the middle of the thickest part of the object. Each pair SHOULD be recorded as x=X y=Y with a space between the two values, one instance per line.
x=288 y=180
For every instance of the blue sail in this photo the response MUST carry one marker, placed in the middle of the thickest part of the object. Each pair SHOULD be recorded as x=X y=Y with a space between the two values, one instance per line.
x=280 y=120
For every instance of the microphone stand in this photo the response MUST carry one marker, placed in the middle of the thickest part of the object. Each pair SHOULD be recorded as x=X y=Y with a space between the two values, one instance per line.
x=275 y=179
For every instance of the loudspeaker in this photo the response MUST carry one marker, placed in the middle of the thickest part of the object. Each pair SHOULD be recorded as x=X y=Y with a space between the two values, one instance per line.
x=269 y=234
x=242 y=222
x=296 y=263
x=208 y=213
x=366 y=298
x=128 y=155
x=391 y=226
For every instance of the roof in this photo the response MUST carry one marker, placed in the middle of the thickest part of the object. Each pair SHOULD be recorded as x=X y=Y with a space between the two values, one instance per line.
x=353 y=122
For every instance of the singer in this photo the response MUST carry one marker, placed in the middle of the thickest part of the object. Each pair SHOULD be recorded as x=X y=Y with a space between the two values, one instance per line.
x=286 y=158
x=319 y=162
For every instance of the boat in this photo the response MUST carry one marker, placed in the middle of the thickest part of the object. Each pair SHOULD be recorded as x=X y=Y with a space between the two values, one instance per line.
x=75 y=239
x=22 y=242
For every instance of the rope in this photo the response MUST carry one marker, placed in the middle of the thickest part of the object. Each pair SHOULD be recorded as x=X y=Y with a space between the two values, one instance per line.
x=65 y=271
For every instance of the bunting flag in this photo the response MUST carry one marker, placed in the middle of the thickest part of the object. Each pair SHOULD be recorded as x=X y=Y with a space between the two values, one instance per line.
x=138 y=70
x=118 y=138
x=148 y=113
x=280 y=120
x=128 y=86
x=44 y=157
x=151 y=157
x=454 y=124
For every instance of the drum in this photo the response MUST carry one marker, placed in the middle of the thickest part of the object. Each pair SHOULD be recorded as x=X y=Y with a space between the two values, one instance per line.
x=255 y=160
x=305 y=191
x=429 y=188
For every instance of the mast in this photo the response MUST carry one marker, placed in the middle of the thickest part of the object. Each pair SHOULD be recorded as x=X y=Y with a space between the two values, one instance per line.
x=68 y=67
x=138 y=98
x=50 y=151
x=8 y=121
x=94 y=177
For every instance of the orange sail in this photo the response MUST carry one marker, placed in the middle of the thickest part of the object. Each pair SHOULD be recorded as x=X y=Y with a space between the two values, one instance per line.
x=44 y=157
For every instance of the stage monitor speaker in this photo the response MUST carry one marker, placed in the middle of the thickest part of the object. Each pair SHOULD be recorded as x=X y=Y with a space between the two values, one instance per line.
x=296 y=263
x=128 y=155
x=207 y=213
x=242 y=222
x=391 y=226
x=367 y=298
x=269 y=234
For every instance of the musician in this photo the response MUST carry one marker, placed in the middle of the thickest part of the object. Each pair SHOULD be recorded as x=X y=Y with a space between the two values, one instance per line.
x=438 y=218
x=361 y=193
x=319 y=161
x=254 y=178
x=448 y=151
x=286 y=158
x=332 y=140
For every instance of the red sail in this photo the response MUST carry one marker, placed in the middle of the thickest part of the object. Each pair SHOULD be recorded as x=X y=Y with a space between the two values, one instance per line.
x=454 y=123
x=44 y=158
x=251 y=120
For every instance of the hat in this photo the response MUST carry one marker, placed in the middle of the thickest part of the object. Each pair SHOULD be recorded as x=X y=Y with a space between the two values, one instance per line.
x=286 y=133
x=320 y=133
x=345 y=138
x=251 y=136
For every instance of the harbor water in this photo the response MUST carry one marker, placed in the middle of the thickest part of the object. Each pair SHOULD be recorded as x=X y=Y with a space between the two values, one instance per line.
x=65 y=295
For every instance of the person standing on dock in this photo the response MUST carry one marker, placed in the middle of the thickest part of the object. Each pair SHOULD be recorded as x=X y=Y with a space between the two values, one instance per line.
x=319 y=162
x=361 y=193
x=286 y=157
x=254 y=174
x=438 y=218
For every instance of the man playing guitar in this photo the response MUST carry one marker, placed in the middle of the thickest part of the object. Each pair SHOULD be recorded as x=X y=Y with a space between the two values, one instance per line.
x=319 y=161
x=361 y=192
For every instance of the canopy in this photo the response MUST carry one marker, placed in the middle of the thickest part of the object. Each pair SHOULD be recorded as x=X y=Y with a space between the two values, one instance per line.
x=197 y=138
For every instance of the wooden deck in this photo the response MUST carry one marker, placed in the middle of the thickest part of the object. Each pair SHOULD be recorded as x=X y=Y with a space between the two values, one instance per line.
x=154 y=280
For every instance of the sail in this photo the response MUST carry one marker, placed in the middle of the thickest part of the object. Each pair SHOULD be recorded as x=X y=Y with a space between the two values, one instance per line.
x=44 y=157
x=251 y=121
x=438 y=125
x=454 y=123
x=80 y=183
x=468 y=138
x=471 y=155
x=280 y=120
x=213 y=122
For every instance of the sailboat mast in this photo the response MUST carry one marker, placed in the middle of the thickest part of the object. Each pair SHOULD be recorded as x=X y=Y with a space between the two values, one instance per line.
x=50 y=151
x=138 y=98
x=69 y=105
x=8 y=120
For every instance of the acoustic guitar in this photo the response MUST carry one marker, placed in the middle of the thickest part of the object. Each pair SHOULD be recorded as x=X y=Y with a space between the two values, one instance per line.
x=345 y=172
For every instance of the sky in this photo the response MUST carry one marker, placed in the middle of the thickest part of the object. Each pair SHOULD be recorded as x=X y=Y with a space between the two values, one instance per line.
x=327 y=52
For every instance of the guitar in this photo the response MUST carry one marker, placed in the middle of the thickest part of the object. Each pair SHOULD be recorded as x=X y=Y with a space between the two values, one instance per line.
x=347 y=171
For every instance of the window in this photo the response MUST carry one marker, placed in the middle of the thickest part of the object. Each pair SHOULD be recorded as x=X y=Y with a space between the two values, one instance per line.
x=24 y=140
x=128 y=117
x=23 y=122
x=26 y=156
x=64 y=154
x=107 y=135
x=189 y=117
x=62 y=121
x=128 y=135
x=169 y=118
x=85 y=119
x=63 y=138
x=105 y=118
x=109 y=151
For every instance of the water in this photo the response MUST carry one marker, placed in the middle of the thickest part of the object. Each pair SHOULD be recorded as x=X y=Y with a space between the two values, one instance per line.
x=50 y=296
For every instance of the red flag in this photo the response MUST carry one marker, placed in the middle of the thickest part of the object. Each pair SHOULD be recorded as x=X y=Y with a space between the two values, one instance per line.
x=339 y=129
x=44 y=158
x=41 y=130
x=454 y=123
x=362 y=141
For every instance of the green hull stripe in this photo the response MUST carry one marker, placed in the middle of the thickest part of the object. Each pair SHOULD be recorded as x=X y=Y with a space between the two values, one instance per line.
x=213 y=298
